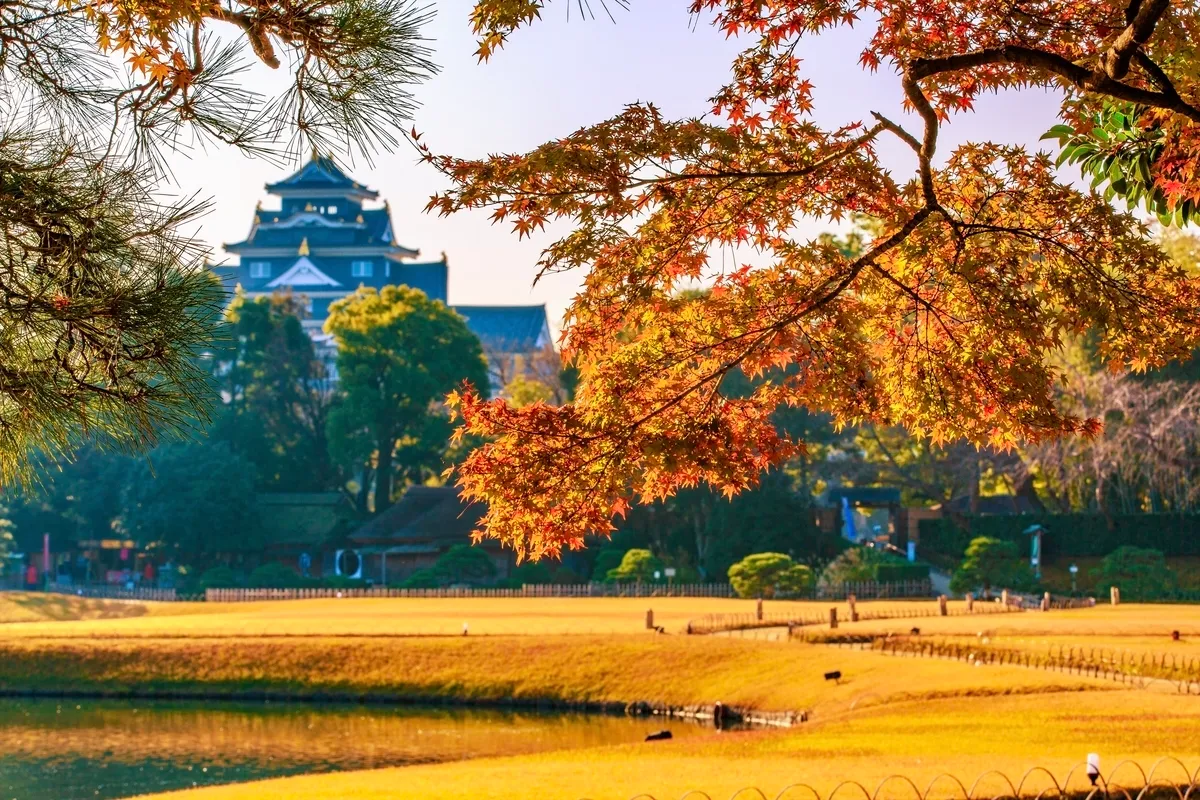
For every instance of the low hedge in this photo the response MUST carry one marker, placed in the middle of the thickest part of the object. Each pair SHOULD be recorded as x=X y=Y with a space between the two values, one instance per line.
x=899 y=573
x=1068 y=535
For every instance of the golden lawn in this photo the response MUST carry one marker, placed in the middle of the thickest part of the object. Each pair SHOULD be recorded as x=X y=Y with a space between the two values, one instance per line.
x=965 y=737
x=890 y=714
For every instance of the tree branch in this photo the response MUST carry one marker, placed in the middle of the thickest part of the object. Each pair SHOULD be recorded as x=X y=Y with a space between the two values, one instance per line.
x=1139 y=30
x=1082 y=78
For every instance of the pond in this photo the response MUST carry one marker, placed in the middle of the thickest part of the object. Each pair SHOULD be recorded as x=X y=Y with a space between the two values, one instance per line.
x=76 y=749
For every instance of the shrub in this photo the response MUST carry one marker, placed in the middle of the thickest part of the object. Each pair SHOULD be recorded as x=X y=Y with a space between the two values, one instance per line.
x=991 y=563
x=274 y=575
x=531 y=572
x=859 y=564
x=854 y=565
x=462 y=563
x=636 y=565
x=769 y=575
x=1140 y=573
x=607 y=560
x=218 y=578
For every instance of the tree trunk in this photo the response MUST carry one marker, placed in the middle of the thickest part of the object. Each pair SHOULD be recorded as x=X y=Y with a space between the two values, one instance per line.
x=975 y=479
x=383 y=473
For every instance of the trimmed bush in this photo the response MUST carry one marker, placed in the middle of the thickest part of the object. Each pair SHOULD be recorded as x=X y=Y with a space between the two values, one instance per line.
x=637 y=565
x=992 y=564
x=1140 y=573
x=769 y=575
x=218 y=578
x=274 y=575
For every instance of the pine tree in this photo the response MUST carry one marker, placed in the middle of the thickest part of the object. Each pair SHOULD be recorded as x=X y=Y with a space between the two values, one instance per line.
x=105 y=304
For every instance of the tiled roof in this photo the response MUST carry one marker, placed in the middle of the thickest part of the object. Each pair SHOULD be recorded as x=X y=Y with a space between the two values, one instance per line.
x=321 y=172
x=506 y=329
x=424 y=513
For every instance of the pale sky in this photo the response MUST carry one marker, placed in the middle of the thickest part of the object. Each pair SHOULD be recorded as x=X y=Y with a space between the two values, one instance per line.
x=552 y=79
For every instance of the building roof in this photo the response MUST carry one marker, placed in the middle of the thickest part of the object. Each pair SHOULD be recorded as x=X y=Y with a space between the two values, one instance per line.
x=302 y=519
x=423 y=514
x=320 y=173
x=274 y=229
x=508 y=329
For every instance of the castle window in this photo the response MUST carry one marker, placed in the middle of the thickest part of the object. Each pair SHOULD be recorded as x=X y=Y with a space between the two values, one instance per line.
x=260 y=269
x=331 y=210
x=362 y=269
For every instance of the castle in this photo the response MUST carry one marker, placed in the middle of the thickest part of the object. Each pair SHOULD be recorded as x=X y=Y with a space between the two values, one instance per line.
x=323 y=243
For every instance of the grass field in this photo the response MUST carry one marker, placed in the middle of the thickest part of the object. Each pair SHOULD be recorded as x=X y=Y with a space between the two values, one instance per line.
x=915 y=716
x=402 y=617
x=917 y=740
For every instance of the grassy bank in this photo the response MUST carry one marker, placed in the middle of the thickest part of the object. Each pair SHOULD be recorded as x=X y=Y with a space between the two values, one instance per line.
x=671 y=670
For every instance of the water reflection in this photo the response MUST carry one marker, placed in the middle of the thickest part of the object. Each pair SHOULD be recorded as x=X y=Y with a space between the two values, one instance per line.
x=71 y=750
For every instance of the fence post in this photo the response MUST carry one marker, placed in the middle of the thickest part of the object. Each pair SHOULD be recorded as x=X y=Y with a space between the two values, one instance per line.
x=833 y=618
x=970 y=603
x=852 y=601
x=1114 y=595
x=1004 y=599
x=942 y=610
x=650 y=619
x=1046 y=601
x=758 y=610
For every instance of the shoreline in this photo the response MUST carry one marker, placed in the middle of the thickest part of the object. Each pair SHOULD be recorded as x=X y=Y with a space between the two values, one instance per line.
x=641 y=709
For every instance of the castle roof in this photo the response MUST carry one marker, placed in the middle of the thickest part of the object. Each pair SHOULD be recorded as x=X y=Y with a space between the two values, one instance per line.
x=275 y=229
x=509 y=329
x=321 y=176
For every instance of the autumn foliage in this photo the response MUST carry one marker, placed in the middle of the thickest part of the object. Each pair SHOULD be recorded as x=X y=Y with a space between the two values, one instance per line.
x=986 y=258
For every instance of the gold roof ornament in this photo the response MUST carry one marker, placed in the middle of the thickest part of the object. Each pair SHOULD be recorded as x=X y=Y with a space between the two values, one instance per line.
x=359 y=219
x=258 y=206
x=445 y=260
x=314 y=155
x=257 y=219
x=310 y=207
x=303 y=251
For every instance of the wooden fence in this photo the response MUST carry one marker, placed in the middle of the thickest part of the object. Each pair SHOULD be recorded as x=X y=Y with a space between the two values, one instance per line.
x=529 y=590
x=873 y=590
x=115 y=592
x=718 y=623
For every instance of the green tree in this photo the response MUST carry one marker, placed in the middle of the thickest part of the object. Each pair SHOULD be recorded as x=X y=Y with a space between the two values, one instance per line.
x=278 y=393
x=77 y=499
x=107 y=302
x=991 y=563
x=636 y=565
x=769 y=575
x=1140 y=573
x=196 y=501
x=399 y=354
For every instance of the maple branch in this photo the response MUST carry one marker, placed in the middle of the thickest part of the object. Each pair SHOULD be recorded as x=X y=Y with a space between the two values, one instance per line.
x=1082 y=78
x=921 y=103
x=1139 y=30
x=1156 y=74
x=908 y=138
